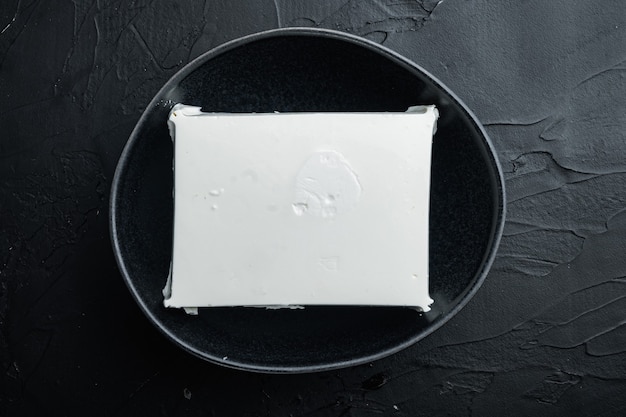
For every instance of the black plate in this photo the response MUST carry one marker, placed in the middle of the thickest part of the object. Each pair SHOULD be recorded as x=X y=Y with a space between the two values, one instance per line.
x=291 y=70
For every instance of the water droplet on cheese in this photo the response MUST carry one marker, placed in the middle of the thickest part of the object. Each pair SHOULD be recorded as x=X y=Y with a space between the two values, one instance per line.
x=216 y=192
x=300 y=208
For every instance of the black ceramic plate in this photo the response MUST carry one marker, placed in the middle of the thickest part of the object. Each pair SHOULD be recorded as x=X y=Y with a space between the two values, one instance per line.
x=294 y=70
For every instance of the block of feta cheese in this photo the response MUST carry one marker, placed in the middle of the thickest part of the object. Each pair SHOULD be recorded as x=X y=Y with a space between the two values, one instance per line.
x=296 y=209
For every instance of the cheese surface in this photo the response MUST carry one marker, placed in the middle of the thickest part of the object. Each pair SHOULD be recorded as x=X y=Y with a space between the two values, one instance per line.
x=296 y=209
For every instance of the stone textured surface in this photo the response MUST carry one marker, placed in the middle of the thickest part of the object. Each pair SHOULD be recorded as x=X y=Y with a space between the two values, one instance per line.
x=545 y=335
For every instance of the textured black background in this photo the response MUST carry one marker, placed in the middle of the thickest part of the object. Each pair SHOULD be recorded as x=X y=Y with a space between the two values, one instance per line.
x=545 y=335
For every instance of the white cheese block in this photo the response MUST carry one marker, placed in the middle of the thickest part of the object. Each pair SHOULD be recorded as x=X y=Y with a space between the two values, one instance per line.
x=296 y=209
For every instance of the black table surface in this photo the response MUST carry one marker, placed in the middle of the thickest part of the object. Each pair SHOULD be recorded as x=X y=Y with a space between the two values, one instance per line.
x=546 y=333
